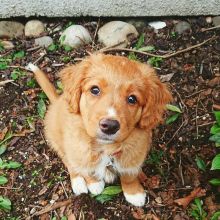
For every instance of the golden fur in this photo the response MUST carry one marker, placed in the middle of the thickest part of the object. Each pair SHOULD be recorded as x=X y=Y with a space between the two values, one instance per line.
x=72 y=120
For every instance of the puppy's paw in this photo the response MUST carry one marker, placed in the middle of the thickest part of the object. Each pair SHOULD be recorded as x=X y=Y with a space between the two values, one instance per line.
x=137 y=199
x=109 y=176
x=96 y=187
x=79 y=185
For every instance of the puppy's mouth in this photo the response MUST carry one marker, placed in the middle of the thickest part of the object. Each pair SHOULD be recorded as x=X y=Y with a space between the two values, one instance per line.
x=103 y=138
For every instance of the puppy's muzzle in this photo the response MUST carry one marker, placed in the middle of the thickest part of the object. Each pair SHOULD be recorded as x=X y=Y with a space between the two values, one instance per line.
x=109 y=126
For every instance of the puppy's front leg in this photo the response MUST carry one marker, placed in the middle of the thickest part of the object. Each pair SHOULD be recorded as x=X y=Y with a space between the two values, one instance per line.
x=78 y=184
x=94 y=185
x=133 y=190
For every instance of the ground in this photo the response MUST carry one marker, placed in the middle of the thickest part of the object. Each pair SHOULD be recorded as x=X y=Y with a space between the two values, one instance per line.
x=171 y=167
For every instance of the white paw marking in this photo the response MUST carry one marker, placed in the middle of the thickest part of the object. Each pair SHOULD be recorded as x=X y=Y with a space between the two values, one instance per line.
x=32 y=67
x=111 y=112
x=97 y=187
x=109 y=176
x=79 y=185
x=137 y=199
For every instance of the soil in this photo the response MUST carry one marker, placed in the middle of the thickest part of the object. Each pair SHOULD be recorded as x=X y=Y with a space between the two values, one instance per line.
x=171 y=168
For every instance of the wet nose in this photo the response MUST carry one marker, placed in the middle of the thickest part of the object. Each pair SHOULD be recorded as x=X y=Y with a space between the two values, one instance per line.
x=109 y=126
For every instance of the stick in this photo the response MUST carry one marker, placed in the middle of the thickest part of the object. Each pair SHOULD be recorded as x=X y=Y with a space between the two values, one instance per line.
x=211 y=28
x=53 y=207
x=217 y=107
x=2 y=83
x=155 y=55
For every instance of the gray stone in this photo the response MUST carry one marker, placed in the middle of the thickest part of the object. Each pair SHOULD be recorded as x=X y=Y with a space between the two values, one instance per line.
x=44 y=41
x=7 y=44
x=182 y=26
x=75 y=36
x=116 y=32
x=216 y=21
x=138 y=23
x=11 y=29
x=34 y=28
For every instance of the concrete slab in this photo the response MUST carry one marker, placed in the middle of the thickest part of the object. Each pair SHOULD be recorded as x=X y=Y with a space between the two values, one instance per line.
x=119 y=8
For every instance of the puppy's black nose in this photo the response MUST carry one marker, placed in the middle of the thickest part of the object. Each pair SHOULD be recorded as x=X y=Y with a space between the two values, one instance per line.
x=109 y=126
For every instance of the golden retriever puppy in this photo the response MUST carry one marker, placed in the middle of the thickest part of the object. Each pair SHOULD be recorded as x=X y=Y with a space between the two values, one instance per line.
x=101 y=126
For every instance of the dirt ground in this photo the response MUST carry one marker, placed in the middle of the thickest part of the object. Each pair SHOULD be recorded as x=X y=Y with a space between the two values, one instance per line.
x=171 y=168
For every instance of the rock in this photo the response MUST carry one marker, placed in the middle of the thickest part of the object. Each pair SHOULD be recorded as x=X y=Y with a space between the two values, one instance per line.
x=115 y=32
x=11 y=29
x=182 y=26
x=44 y=41
x=75 y=36
x=7 y=44
x=33 y=28
x=209 y=20
x=216 y=21
x=157 y=24
x=139 y=24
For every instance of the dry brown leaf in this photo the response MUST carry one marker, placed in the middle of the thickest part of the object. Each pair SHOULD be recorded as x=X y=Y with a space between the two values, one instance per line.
x=23 y=132
x=184 y=202
x=3 y=133
x=217 y=107
x=214 y=82
x=45 y=216
x=151 y=217
x=72 y=217
x=138 y=213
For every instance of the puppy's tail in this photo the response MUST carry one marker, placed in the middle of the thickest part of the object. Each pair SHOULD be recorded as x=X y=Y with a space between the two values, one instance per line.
x=44 y=82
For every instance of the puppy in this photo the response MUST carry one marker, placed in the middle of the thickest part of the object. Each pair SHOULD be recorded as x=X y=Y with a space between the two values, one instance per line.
x=101 y=126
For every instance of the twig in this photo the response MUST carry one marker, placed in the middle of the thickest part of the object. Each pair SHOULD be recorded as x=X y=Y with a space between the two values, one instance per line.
x=205 y=124
x=33 y=48
x=211 y=28
x=197 y=128
x=96 y=30
x=19 y=67
x=61 y=183
x=39 y=58
x=2 y=83
x=9 y=188
x=195 y=93
x=53 y=207
x=181 y=171
x=217 y=107
x=155 y=55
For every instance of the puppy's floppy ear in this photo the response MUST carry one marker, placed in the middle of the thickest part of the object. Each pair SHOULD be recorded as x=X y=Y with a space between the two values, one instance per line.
x=72 y=78
x=157 y=96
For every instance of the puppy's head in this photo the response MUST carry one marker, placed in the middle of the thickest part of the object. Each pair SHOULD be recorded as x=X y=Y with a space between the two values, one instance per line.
x=114 y=95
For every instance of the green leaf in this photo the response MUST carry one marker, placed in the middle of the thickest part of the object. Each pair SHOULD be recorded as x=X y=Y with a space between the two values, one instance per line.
x=217 y=116
x=112 y=190
x=132 y=56
x=31 y=83
x=62 y=38
x=41 y=108
x=200 y=163
x=215 y=129
x=67 y=48
x=9 y=165
x=5 y=203
x=172 y=118
x=173 y=108
x=216 y=216
x=104 y=198
x=42 y=95
x=3 y=180
x=52 y=47
x=216 y=162
x=215 y=181
x=3 y=66
x=199 y=205
x=140 y=42
x=59 y=85
x=8 y=136
x=215 y=138
x=19 y=54
x=64 y=218
x=147 y=49
x=155 y=61
x=2 y=149
x=17 y=73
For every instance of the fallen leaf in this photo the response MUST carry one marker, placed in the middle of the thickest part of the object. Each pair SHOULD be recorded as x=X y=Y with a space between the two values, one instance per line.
x=184 y=202
x=214 y=82
x=45 y=216
x=23 y=132
x=167 y=77
x=3 y=133
x=138 y=213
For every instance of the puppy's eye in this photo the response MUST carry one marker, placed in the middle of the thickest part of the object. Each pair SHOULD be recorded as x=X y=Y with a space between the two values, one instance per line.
x=95 y=90
x=132 y=99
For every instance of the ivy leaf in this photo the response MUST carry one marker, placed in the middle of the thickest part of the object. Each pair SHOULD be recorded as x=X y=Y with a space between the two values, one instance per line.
x=217 y=116
x=215 y=181
x=2 y=148
x=9 y=165
x=19 y=54
x=215 y=138
x=200 y=163
x=3 y=180
x=215 y=129
x=216 y=162
x=172 y=118
x=216 y=216
x=5 y=203
x=3 y=66
x=104 y=198
x=41 y=108
x=112 y=190
x=173 y=108
x=140 y=42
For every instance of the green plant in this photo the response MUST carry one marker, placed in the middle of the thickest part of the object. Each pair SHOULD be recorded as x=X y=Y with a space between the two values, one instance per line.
x=53 y=47
x=200 y=163
x=155 y=61
x=5 y=203
x=175 y=116
x=31 y=83
x=216 y=216
x=215 y=131
x=41 y=108
x=17 y=73
x=197 y=211
x=108 y=193
x=18 y=54
x=155 y=157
